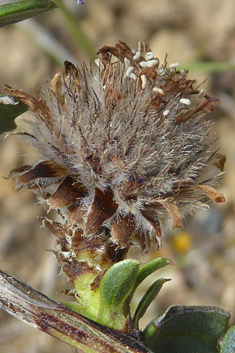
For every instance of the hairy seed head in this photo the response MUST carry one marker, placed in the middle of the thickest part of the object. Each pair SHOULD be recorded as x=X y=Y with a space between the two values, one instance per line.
x=123 y=144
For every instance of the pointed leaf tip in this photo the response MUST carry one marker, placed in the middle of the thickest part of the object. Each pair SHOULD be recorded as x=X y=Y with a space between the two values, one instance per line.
x=147 y=299
x=147 y=269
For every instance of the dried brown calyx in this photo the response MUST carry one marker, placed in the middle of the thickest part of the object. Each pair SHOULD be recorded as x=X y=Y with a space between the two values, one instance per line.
x=123 y=144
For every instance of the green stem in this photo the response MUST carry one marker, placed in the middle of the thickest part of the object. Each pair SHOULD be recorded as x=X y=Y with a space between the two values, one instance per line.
x=76 y=30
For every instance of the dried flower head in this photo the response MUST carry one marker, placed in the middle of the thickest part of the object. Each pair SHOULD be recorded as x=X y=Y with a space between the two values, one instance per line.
x=123 y=144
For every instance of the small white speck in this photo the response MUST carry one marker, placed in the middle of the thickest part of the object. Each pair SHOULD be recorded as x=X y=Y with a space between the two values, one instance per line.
x=149 y=55
x=173 y=66
x=8 y=100
x=66 y=254
x=133 y=76
x=137 y=55
x=185 y=101
x=129 y=71
x=166 y=112
x=127 y=62
x=143 y=64
x=144 y=81
x=152 y=63
x=158 y=90
x=201 y=93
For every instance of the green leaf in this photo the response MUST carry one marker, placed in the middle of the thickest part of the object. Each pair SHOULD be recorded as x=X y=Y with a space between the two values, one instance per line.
x=147 y=269
x=10 y=109
x=183 y=329
x=147 y=299
x=227 y=344
x=115 y=288
x=21 y=10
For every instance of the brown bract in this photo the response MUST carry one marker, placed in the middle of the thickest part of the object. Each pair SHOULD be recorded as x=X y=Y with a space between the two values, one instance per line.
x=123 y=145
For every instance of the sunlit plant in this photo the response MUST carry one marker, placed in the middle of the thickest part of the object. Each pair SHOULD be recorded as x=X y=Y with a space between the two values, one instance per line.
x=123 y=146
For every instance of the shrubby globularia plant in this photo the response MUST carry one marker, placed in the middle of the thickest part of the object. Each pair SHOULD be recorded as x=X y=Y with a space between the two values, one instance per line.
x=123 y=145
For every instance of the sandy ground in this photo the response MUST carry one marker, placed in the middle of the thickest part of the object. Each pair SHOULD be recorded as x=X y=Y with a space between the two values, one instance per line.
x=189 y=31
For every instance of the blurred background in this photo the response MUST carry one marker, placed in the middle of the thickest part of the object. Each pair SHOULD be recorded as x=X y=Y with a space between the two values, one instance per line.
x=198 y=34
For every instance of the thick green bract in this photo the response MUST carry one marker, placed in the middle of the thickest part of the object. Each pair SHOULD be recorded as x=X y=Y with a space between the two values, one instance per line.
x=109 y=303
x=183 y=329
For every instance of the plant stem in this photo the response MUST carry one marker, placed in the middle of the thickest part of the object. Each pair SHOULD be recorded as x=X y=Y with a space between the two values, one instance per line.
x=45 y=314
x=76 y=30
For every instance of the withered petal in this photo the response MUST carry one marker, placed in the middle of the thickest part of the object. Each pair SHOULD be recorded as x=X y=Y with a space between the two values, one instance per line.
x=173 y=210
x=75 y=213
x=56 y=84
x=29 y=174
x=210 y=192
x=113 y=253
x=151 y=217
x=208 y=105
x=27 y=135
x=18 y=171
x=80 y=242
x=36 y=105
x=71 y=266
x=70 y=68
x=121 y=51
x=68 y=193
x=56 y=228
x=102 y=208
x=122 y=228
x=30 y=101
x=220 y=161
x=143 y=240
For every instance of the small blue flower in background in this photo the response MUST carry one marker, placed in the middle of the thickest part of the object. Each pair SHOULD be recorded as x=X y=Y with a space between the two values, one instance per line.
x=80 y=2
